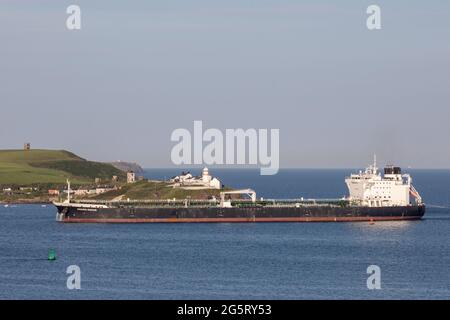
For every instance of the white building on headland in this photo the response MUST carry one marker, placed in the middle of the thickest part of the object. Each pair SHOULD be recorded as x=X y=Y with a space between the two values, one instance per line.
x=188 y=181
x=131 y=177
x=373 y=190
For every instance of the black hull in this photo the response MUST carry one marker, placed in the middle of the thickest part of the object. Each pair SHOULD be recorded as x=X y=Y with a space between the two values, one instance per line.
x=238 y=214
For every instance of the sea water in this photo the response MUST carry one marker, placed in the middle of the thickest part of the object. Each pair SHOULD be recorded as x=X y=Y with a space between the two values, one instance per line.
x=233 y=261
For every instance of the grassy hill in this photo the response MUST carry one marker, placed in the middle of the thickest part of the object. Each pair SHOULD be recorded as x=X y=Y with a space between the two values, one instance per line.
x=32 y=167
x=153 y=190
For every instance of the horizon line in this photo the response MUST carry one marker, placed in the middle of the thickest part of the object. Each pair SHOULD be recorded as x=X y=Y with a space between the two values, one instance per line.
x=286 y=168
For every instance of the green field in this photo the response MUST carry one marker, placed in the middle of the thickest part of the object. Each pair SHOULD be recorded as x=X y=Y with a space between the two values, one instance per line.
x=38 y=167
x=49 y=169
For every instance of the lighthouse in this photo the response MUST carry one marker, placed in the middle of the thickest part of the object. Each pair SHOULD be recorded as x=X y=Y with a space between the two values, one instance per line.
x=206 y=178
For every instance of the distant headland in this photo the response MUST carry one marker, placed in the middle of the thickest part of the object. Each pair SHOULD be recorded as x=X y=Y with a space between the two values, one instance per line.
x=39 y=176
x=128 y=166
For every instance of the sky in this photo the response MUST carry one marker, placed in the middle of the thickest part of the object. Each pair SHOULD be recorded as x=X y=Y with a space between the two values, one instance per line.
x=138 y=70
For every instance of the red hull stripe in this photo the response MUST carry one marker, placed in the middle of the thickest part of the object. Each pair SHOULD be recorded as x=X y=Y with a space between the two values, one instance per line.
x=226 y=220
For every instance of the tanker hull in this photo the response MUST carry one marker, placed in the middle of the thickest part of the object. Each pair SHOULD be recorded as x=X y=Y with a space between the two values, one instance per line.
x=72 y=213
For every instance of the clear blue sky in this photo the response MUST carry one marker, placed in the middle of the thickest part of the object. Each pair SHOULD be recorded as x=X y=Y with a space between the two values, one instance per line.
x=140 y=69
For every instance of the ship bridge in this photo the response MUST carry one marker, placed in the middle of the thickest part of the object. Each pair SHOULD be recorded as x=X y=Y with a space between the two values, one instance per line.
x=370 y=188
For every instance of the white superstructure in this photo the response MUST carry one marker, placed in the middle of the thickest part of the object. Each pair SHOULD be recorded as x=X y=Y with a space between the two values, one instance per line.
x=372 y=189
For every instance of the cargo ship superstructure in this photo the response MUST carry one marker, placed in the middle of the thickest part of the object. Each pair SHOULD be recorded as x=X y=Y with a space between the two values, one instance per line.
x=372 y=197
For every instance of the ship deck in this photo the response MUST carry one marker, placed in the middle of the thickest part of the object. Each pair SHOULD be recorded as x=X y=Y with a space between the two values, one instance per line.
x=191 y=203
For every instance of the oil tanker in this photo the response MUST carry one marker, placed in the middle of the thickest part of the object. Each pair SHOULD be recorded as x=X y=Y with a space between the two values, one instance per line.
x=372 y=197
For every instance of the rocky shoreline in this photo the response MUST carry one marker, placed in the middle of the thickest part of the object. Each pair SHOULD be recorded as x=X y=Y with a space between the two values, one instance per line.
x=19 y=202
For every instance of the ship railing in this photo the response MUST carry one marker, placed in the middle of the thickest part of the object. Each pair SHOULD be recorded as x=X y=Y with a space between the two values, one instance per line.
x=204 y=200
x=216 y=202
x=164 y=203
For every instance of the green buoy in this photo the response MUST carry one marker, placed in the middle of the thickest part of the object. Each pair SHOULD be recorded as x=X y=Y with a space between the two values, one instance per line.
x=52 y=255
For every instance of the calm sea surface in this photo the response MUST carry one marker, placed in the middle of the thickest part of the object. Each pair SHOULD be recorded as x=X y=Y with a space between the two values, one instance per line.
x=234 y=261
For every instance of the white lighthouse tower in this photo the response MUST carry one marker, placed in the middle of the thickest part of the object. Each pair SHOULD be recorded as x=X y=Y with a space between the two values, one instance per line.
x=206 y=178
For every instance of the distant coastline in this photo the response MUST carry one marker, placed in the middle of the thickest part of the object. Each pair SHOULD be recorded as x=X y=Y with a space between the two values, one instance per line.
x=128 y=166
x=25 y=202
x=37 y=176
